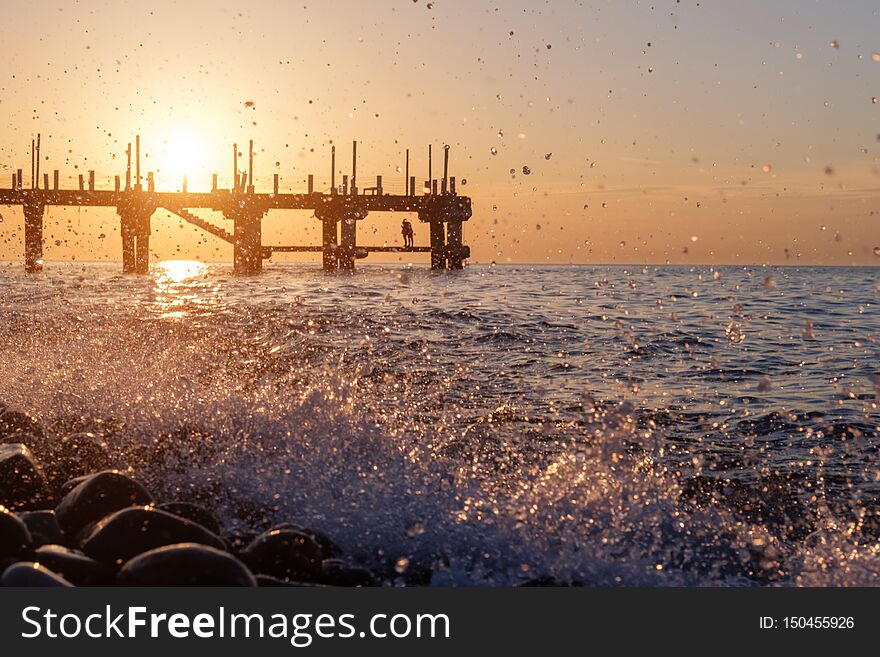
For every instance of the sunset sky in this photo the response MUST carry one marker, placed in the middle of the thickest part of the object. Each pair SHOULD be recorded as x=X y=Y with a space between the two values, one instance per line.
x=689 y=132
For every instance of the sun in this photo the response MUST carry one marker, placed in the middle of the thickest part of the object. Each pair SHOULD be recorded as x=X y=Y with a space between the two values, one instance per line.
x=183 y=153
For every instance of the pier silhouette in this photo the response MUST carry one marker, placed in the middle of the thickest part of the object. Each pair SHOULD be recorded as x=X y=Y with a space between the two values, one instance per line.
x=339 y=210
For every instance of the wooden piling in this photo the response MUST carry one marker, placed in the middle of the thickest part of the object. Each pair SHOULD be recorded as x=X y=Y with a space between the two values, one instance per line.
x=82 y=183
x=406 y=183
x=250 y=178
x=275 y=184
x=438 y=244
x=354 y=157
x=213 y=182
x=184 y=188
x=311 y=184
x=33 y=236
x=46 y=181
x=116 y=183
x=55 y=180
x=91 y=181
x=128 y=167
x=137 y=160
x=333 y=169
x=329 y=243
x=151 y=183
x=445 y=168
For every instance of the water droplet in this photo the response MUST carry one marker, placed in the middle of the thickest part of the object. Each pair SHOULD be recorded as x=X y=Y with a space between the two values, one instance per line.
x=401 y=565
x=526 y=171
x=877 y=251
x=493 y=150
x=766 y=168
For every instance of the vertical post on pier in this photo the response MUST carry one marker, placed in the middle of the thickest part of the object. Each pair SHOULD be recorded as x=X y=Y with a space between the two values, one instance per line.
x=137 y=161
x=91 y=181
x=116 y=183
x=55 y=180
x=345 y=184
x=184 y=187
x=329 y=242
x=213 y=182
x=445 y=168
x=434 y=187
x=311 y=184
x=275 y=184
x=14 y=183
x=235 y=181
x=378 y=185
x=46 y=181
x=33 y=235
x=33 y=163
x=128 y=167
x=406 y=175
x=452 y=185
x=430 y=162
x=333 y=169
x=250 y=178
x=82 y=183
x=354 y=167
x=438 y=244
x=38 y=160
x=151 y=183
x=20 y=183
x=412 y=186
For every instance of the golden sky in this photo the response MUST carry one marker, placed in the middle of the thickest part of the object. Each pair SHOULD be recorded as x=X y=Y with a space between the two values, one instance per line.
x=687 y=132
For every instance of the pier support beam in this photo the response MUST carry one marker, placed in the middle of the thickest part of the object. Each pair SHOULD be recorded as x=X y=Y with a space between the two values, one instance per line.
x=438 y=245
x=454 y=250
x=134 y=219
x=247 y=246
x=347 y=241
x=33 y=236
x=330 y=243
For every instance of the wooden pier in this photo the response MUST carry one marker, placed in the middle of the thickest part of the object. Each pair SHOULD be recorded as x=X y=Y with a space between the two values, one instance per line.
x=339 y=210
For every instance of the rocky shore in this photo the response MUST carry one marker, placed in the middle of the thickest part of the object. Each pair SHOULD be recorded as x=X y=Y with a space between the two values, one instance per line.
x=67 y=518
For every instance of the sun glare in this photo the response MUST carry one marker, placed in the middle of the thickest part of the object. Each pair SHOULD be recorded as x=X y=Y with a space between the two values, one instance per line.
x=183 y=154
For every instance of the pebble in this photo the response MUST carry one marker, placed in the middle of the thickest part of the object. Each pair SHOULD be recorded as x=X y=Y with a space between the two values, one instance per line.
x=186 y=564
x=97 y=497
x=15 y=539
x=26 y=573
x=43 y=526
x=127 y=533
x=194 y=512
x=287 y=554
x=22 y=484
x=74 y=566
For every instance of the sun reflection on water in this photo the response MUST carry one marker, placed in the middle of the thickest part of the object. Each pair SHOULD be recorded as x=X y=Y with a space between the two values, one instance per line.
x=180 y=288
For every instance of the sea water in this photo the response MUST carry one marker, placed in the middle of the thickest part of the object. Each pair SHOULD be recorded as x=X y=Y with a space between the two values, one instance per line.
x=597 y=425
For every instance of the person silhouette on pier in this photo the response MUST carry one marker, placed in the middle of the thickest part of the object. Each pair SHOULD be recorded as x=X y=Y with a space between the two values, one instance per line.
x=406 y=230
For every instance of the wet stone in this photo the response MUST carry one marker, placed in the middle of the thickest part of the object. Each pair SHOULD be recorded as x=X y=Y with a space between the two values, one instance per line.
x=15 y=539
x=127 y=533
x=26 y=573
x=99 y=496
x=287 y=554
x=43 y=526
x=194 y=513
x=79 y=454
x=186 y=564
x=336 y=572
x=74 y=566
x=329 y=549
x=22 y=484
x=16 y=422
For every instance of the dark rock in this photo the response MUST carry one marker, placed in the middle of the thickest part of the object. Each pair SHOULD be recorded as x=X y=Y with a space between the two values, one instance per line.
x=74 y=566
x=25 y=573
x=329 y=549
x=22 y=484
x=79 y=454
x=185 y=564
x=15 y=539
x=70 y=484
x=16 y=422
x=127 y=533
x=193 y=512
x=336 y=572
x=97 y=497
x=43 y=526
x=285 y=553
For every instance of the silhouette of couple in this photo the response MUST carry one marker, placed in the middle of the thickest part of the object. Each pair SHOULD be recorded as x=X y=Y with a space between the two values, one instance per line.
x=406 y=230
